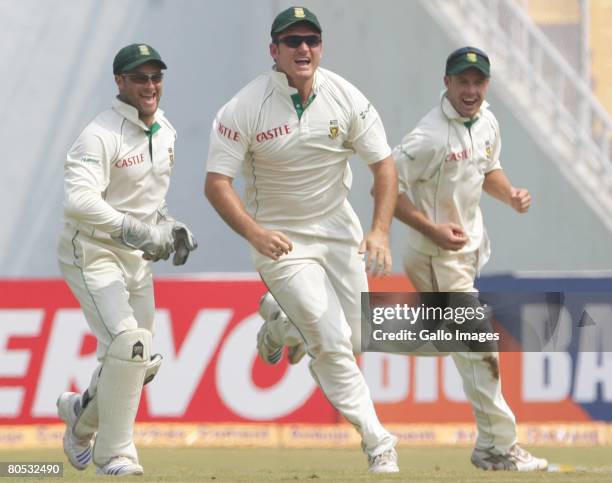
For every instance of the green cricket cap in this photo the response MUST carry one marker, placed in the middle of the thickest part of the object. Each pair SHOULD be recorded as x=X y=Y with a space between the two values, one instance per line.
x=291 y=16
x=467 y=58
x=133 y=55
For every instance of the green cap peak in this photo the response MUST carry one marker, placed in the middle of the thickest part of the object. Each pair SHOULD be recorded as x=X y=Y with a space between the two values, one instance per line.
x=133 y=55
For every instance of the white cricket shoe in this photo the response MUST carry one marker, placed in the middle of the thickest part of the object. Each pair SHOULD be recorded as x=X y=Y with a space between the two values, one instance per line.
x=120 y=466
x=516 y=459
x=385 y=462
x=78 y=450
x=272 y=313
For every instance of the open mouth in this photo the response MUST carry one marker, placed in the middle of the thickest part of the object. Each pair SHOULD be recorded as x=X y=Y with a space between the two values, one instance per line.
x=151 y=99
x=302 y=62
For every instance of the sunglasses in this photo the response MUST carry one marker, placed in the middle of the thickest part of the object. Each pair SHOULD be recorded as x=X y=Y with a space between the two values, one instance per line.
x=294 y=41
x=142 y=78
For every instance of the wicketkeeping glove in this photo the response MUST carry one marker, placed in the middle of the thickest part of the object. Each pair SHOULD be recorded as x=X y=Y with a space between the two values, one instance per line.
x=184 y=243
x=156 y=241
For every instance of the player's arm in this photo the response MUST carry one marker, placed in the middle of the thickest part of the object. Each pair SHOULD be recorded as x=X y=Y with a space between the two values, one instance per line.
x=85 y=179
x=368 y=138
x=417 y=160
x=224 y=199
x=448 y=236
x=376 y=241
x=497 y=185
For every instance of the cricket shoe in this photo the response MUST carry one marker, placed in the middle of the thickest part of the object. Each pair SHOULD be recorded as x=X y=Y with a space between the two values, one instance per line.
x=120 y=466
x=385 y=462
x=78 y=450
x=272 y=353
x=516 y=459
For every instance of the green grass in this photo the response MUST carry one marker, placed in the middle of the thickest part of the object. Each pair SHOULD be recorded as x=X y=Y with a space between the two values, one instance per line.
x=252 y=465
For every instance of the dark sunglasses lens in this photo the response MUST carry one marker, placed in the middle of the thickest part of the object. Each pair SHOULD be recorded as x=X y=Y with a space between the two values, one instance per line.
x=144 y=78
x=313 y=41
x=294 y=41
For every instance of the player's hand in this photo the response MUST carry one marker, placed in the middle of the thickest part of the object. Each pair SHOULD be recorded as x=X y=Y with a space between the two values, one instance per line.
x=184 y=243
x=520 y=199
x=272 y=244
x=378 y=261
x=449 y=236
x=156 y=241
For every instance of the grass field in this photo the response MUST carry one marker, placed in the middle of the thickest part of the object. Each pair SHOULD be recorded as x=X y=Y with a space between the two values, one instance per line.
x=422 y=465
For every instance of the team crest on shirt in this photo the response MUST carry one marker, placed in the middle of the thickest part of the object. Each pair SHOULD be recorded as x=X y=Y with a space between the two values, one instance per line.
x=488 y=149
x=171 y=156
x=334 y=129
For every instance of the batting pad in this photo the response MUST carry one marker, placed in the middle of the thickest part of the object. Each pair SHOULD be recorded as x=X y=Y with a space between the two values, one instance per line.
x=87 y=424
x=118 y=394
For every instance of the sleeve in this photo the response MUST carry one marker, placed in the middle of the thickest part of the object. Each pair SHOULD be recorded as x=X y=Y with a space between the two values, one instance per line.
x=162 y=213
x=86 y=177
x=494 y=162
x=366 y=133
x=415 y=158
x=229 y=140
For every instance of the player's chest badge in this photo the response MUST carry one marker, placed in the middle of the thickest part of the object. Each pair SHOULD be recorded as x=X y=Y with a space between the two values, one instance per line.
x=488 y=149
x=334 y=129
x=171 y=156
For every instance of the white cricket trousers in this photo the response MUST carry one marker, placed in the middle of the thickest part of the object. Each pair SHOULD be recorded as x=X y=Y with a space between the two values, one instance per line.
x=318 y=285
x=479 y=370
x=114 y=285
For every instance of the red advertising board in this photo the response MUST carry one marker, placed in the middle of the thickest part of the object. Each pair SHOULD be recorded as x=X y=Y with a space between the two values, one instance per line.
x=206 y=331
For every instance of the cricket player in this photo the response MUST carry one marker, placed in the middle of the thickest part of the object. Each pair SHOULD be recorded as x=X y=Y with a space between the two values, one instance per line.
x=444 y=164
x=291 y=132
x=116 y=177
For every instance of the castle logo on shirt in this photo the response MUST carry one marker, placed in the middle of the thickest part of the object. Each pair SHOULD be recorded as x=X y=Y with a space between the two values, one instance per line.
x=488 y=149
x=130 y=161
x=273 y=133
x=458 y=155
x=334 y=130
x=228 y=133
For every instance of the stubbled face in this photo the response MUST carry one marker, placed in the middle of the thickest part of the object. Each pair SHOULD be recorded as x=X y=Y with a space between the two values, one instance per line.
x=144 y=96
x=300 y=63
x=467 y=91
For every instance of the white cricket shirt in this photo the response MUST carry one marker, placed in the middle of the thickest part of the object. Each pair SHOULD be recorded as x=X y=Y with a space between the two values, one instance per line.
x=114 y=168
x=295 y=169
x=442 y=165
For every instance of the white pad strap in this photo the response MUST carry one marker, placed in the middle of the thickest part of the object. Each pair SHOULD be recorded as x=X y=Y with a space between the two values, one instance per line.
x=118 y=394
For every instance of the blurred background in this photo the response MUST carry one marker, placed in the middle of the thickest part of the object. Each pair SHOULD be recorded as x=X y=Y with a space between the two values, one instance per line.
x=551 y=91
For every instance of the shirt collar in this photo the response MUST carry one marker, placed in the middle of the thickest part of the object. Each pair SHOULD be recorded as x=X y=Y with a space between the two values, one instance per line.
x=451 y=113
x=131 y=113
x=280 y=79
